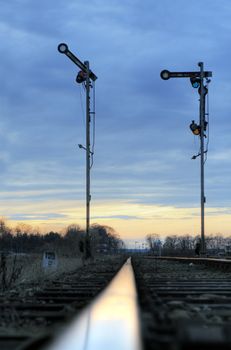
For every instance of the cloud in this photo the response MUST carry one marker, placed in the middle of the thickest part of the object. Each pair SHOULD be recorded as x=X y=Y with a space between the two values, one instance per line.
x=122 y=217
x=30 y=217
x=143 y=144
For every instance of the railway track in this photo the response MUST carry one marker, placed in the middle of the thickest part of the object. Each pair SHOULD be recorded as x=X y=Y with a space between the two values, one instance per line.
x=185 y=303
x=29 y=319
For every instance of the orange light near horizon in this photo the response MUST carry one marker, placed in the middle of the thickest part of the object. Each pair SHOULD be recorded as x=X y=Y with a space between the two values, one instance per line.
x=139 y=219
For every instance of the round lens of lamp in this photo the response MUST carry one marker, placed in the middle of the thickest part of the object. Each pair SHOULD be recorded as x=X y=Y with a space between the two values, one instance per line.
x=196 y=84
x=165 y=74
x=195 y=128
x=196 y=132
x=62 y=48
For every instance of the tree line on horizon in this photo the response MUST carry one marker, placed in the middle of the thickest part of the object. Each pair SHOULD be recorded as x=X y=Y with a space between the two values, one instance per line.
x=185 y=245
x=24 y=238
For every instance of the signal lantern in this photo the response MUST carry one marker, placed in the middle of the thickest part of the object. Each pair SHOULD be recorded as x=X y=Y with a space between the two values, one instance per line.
x=81 y=77
x=196 y=129
x=196 y=83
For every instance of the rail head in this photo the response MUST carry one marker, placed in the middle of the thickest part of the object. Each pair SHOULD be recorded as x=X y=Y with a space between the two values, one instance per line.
x=220 y=263
x=110 y=322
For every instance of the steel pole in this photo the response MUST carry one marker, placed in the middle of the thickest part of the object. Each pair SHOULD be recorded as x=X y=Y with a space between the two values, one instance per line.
x=88 y=158
x=202 y=125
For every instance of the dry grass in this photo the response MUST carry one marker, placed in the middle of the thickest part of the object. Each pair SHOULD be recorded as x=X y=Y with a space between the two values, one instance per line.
x=31 y=271
x=32 y=278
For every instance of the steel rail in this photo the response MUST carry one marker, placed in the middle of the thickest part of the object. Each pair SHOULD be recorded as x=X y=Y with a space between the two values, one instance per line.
x=109 y=322
x=31 y=314
x=194 y=258
x=219 y=263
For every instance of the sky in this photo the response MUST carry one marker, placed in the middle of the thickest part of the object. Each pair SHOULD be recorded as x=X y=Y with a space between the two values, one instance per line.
x=143 y=179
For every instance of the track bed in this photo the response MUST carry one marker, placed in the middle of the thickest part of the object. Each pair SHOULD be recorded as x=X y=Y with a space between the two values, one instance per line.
x=31 y=314
x=184 y=305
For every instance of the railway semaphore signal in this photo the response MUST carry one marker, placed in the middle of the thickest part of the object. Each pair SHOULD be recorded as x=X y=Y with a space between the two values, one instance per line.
x=197 y=81
x=85 y=75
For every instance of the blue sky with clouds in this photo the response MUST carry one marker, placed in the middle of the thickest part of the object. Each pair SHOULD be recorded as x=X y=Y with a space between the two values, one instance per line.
x=143 y=144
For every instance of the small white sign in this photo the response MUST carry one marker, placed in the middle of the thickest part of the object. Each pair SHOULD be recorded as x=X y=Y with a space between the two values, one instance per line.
x=50 y=260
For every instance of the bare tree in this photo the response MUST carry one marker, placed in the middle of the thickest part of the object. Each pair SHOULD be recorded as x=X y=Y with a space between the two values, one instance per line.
x=154 y=243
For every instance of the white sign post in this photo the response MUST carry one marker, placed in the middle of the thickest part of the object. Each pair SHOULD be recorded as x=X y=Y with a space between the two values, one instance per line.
x=50 y=260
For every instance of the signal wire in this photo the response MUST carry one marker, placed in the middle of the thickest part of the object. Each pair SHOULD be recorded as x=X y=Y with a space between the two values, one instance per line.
x=207 y=115
x=93 y=126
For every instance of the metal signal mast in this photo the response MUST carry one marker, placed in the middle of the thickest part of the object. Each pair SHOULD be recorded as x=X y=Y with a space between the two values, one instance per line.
x=197 y=81
x=84 y=75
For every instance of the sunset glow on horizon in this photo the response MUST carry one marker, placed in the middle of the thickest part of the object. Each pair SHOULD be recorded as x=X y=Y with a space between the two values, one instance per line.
x=129 y=220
